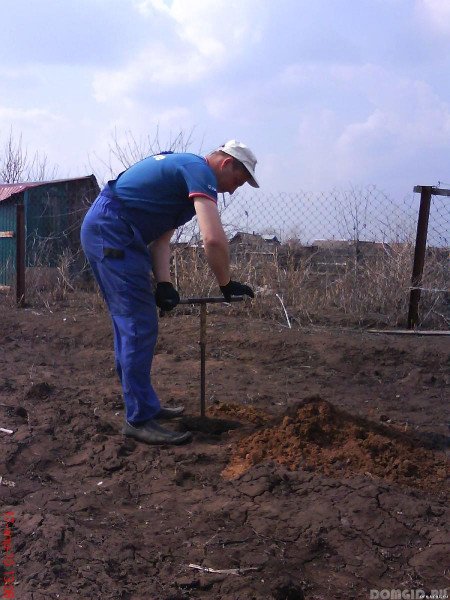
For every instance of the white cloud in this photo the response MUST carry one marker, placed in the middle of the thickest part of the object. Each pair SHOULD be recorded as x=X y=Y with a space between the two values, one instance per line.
x=410 y=110
x=293 y=75
x=436 y=13
x=156 y=65
x=216 y=29
x=146 y=7
x=287 y=77
x=41 y=130
x=17 y=116
x=405 y=121
x=203 y=38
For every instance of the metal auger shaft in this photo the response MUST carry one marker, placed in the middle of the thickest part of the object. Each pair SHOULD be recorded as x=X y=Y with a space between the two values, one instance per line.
x=203 y=302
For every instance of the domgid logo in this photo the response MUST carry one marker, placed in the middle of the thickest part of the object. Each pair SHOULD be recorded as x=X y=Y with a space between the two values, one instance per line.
x=408 y=595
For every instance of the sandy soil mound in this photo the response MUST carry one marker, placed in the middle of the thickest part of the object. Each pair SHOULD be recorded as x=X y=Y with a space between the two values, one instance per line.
x=317 y=436
x=245 y=413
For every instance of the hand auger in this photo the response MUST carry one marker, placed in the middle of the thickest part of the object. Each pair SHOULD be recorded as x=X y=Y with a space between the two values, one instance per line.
x=203 y=302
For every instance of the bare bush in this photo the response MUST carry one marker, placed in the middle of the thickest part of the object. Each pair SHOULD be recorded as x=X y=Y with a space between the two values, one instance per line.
x=16 y=165
x=126 y=149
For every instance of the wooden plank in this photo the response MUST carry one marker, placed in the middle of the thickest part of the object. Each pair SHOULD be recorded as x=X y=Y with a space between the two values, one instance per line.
x=6 y=234
x=434 y=191
x=410 y=331
x=5 y=288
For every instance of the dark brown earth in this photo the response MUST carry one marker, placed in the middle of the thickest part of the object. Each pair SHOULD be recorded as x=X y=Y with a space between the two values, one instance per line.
x=319 y=473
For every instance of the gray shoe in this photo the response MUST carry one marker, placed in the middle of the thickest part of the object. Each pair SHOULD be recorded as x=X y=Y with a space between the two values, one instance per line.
x=169 y=413
x=151 y=432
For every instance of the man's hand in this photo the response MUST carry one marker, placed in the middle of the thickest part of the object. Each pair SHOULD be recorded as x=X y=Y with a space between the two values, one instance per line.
x=234 y=288
x=166 y=296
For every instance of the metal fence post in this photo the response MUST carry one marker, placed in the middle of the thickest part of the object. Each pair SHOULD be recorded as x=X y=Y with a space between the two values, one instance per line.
x=20 y=255
x=419 y=255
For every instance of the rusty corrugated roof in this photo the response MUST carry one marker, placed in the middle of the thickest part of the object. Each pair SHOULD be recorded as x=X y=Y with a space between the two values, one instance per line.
x=9 y=189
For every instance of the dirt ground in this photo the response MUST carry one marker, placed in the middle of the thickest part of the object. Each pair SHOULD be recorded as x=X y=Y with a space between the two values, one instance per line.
x=319 y=472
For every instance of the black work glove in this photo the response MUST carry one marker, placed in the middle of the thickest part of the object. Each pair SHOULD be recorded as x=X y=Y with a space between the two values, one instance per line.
x=234 y=288
x=166 y=296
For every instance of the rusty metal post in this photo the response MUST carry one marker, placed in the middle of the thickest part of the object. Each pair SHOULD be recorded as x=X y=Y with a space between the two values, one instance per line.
x=419 y=256
x=203 y=361
x=20 y=255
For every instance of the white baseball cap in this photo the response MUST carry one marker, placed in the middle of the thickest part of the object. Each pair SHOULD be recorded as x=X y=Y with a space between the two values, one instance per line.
x=244 y=155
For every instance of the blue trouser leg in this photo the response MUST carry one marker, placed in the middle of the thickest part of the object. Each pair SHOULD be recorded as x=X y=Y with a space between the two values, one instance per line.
x=134 y=354
x=124 y=280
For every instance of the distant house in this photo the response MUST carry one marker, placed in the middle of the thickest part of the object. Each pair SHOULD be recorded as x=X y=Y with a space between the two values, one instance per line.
x=254 y=240
x=331 y=244
x=271 y=239
x=340 y=253
x=244 y=245
x=246 y=239
x=369 y=249
x=351 y=246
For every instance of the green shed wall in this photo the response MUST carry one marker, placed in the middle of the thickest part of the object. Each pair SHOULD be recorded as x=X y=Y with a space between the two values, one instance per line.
x=7 y=245
x=46 y=222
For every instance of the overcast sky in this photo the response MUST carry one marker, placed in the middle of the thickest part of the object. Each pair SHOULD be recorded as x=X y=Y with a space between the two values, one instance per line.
x=326 y=92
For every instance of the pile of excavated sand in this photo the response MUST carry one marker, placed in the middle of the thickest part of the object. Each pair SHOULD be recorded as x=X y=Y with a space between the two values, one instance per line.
x=317 y=436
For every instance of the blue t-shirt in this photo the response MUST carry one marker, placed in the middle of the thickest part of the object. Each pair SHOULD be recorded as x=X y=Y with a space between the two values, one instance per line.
x=157 y=192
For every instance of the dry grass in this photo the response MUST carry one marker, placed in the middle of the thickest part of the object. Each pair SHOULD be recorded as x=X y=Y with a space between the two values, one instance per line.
x=68 y=282
x=290 y=290
x=374 y=291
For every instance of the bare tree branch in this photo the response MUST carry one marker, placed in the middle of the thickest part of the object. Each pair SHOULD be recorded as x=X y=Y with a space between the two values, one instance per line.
x=127 y=149
x=17 y=166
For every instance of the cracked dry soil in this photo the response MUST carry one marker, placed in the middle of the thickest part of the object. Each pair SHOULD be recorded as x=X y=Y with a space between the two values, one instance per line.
x=319 y=473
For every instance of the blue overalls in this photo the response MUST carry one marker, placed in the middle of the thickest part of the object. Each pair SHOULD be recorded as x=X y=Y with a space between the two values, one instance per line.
x=120 y=261
x=150 y=198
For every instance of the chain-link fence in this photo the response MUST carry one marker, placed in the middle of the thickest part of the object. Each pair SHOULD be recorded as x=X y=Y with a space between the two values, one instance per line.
x=439 y=222
x=364 y=214
x=338 y=254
